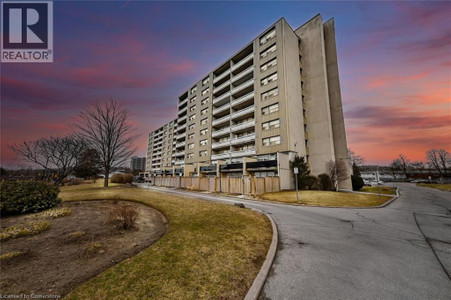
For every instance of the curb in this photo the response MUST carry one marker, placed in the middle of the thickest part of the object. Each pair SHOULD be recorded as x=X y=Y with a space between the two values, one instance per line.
x=259 y=281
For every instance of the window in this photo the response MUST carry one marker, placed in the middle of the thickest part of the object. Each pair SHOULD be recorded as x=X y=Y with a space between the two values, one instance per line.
x=203 y=102
x=269 y=79
x=269 y=64
x=270 y=94
x=192 y=100
x=193 y=90
x=204 y=131
x=204 y=121
x=191 y=126
x=203 y=153
x=203 y=142
x=191 y=146
x=192 y=117
x=192 y=108
x=205 y=81
x=204 y=111
x=190 y=155
x=270 y=109
x=204 y=92
x=271 y=34
x=268 y=51
x=274 y=140
x=271 y=124
x=191 y=136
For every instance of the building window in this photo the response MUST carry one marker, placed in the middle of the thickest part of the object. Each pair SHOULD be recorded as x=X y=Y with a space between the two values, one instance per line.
x=203 y=153
x=271 y=124
x=270 y=109
x=191 y=126
x=203 y=102
x=271 y=34
x=204 y=131
x=190 y=155
x=274 y=140
x=203 y=142
x=192 y=108
x=270 y=94
x=191 y=146
x=204 y=111
x=192 y=117
x=193 y=90
x=268 y=51
x=268 y=65
x=205 y=81
x=204 y=92
x=204 y=121
x=269 y=79
x=191 y=136
x=192 y=100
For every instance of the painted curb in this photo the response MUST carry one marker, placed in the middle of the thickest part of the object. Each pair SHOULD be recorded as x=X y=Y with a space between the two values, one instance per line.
x=259 y=281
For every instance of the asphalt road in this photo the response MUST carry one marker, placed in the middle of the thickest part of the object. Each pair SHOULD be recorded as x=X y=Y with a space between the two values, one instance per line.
x=402 y=251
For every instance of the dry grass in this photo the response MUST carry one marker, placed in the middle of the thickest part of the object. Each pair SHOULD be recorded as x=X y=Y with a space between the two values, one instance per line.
x=322 y=198
x=446 y=187
x=53 y=213
x=383 y=189
x=210 y=251
x=10 y=255
x=30 y=228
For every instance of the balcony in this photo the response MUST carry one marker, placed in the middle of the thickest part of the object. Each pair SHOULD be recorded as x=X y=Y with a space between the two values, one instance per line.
x=179 y=145
x=183 y=110
x=221 y=109
x=243 y=139
x=179 y=162
x=220 y=156
x=183 y=102
x=241 y=153
x=219 y=145
x=220 y=121
x=222 y=132
x=178 y=154
x=219 y=100
x=180 y=136
x=222 y=86
x=242 y=74
x=221 y=76
x=243 y=61
x=243 y=99
x=181 y=120
x=181 y=127
x=243 y=112
x=243 y=86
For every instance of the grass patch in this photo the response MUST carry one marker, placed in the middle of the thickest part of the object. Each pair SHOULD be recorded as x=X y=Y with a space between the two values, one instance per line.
x=446 y=187
x=322 y=198
x=53 y=213
x=10 y=255
x=30 y=228
x=383 y=189
x=210 y=251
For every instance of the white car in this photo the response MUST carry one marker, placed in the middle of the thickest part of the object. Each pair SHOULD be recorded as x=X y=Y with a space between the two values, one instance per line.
x=376 y=183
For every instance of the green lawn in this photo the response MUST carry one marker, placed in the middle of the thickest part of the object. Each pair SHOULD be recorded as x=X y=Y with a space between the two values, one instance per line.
x=322 y=198
x=210 y=251
x=383 y=189
x=442 y=187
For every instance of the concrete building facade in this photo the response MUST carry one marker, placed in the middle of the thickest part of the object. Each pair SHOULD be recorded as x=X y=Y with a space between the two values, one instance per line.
x=277 y=97
x=138 y=163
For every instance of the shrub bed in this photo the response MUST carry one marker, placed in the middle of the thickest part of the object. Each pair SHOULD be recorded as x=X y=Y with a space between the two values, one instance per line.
x=18 y=197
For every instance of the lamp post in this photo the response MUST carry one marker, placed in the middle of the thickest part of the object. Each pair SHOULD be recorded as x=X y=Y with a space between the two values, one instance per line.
x=296 y=172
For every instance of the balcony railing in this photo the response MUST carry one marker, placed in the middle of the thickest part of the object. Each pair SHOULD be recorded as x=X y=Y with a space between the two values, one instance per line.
x=243 y=139
x=243 y=86
x=218 y=88
x=220 y=144
x=221 y=109
x=181 y=127
x=183 y=110
x=240 y=153
x=223 y=131
x=216 y=79
x=220 y=156
x=222 y=120
x=178 y=145
x=180 y=120
x=183 y=102
x=179 y=162
x=220 y=98
x=177 y=154
x=242 y=74
x=243 y=61
x=243 y=112
x=180 y=136
x=243 y=99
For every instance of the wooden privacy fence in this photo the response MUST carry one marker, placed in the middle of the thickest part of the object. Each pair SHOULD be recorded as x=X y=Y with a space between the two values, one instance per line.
x=248 y=185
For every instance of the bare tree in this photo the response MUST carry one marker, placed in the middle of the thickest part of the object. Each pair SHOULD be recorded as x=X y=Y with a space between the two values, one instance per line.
x=438 y=160
x=395 y=168
x=58 y=156
x=106 y=128
x=354 y=158
x=337 y=172
x=404 y=163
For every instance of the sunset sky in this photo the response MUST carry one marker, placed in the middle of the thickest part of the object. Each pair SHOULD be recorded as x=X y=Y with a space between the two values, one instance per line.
x=394 y=61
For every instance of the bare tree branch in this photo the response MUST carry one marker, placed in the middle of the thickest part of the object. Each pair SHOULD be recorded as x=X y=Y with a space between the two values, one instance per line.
x=337 y=172
x=438 y=159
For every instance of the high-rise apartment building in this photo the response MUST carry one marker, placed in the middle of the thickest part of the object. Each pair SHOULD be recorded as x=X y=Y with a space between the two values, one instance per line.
x=277 y=97
x=138 y=163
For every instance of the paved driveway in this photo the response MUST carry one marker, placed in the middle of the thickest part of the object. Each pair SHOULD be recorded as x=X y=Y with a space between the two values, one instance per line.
x=334 y=253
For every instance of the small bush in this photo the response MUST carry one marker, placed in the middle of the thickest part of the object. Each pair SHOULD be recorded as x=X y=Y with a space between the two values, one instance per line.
x=28 y=229
x=325 y=184
x=357 y=182
x=124 y=216
x=54 y=213
x=93 y=249
x=18 y=197
x=10 y=255
x=309 y=183
x=122 y=178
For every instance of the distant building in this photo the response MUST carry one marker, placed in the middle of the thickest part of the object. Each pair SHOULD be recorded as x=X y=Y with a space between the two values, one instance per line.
x=277 y=97
x=138 y=163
